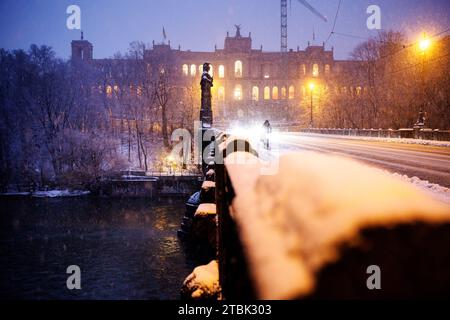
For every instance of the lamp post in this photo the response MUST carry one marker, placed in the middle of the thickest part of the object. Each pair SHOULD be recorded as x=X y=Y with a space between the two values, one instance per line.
x=311 y=88
x=424 y=46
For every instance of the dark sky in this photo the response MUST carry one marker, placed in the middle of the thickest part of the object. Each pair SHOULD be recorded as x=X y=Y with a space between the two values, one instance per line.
x=200 y=24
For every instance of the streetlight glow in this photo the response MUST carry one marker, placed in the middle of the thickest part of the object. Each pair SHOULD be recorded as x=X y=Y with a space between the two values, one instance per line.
x=311 y=86
x=424 y=43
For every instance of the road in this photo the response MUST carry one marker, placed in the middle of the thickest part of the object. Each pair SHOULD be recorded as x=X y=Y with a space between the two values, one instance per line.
x=426 y=162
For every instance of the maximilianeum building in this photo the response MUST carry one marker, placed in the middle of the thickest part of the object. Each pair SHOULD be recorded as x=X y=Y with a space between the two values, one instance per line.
x=249 y=82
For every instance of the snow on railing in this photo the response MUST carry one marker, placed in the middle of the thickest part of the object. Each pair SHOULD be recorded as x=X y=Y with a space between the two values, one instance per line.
x=408 y=133
x=315 y=227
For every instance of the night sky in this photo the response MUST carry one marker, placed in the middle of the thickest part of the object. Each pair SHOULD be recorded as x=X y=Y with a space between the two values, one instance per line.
x=200 y=24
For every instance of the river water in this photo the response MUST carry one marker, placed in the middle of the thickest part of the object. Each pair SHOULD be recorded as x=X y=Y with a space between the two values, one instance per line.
x=126 y=249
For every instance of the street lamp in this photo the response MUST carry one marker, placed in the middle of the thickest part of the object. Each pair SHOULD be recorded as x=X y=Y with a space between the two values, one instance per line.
x=424 y=43
x=311 y=88
x=424 y=46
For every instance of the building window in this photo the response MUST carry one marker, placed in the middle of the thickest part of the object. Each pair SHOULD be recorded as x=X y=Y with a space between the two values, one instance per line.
x=291 y=92
x=185 y=70
x=109 y=91
x=221 y=71
x=200 y=69
x=303 y=69
x=315 y=71
x=283 y=93
x=238 y=69
x=327 y=69
x=211 y=72
x=193 y=70
x=358 y=91
x=221 y=94
x=238 y=92
x=255 y=93
x=275 y=93
x=266 y=93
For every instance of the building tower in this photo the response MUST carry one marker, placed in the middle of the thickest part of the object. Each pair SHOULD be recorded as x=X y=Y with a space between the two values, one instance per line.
x=82 y=49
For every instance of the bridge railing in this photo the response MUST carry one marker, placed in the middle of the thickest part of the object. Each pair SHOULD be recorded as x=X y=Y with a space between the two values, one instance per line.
x=407 y=133
x=317 y=227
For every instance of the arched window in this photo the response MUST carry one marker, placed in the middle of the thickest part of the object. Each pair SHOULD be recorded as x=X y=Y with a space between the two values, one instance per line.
x=221 y=71
x=275 y=93
x=358 y=91
x=211 y=72
x=283 y=93
x=238 y=69
x=266 y=93
x=255 y=93
x=327 y=69
x=221 y=94
x=315 y=71
x=193 y=70
x=238 y=92
x=291 y=92
x=108 y=91
x=303 y=69
x=185 y=70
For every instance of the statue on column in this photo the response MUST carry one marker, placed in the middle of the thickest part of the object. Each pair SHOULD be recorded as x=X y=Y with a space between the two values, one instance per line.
x=206 y=84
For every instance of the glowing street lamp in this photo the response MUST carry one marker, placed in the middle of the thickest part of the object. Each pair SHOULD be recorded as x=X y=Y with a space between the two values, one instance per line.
x=311 y=88
x=170 y=163
x=424 y=43
x=424 y=46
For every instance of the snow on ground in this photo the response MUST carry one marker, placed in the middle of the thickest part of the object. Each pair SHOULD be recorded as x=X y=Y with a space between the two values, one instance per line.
x=49 y=193
x=60 y=193
x=436 y=191
x=15 y=194
x=398 y=140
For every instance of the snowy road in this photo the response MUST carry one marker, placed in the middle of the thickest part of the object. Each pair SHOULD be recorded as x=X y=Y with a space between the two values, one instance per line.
x=426 y=162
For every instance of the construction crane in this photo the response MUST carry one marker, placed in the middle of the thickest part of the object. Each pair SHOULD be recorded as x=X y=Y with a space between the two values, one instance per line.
x=284 y=20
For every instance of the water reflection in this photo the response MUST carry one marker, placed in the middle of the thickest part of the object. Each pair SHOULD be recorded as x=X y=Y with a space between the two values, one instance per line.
x=126 y=249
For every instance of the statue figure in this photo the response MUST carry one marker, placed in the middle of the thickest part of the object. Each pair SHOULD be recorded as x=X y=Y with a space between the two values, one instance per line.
x=420 y=123
x=206 y=84
x=238 y=30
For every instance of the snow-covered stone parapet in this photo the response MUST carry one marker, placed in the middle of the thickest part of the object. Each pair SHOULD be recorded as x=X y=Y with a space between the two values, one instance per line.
x=204 y=224
x=202 y=283
x=207 y=194
x=294 y=224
